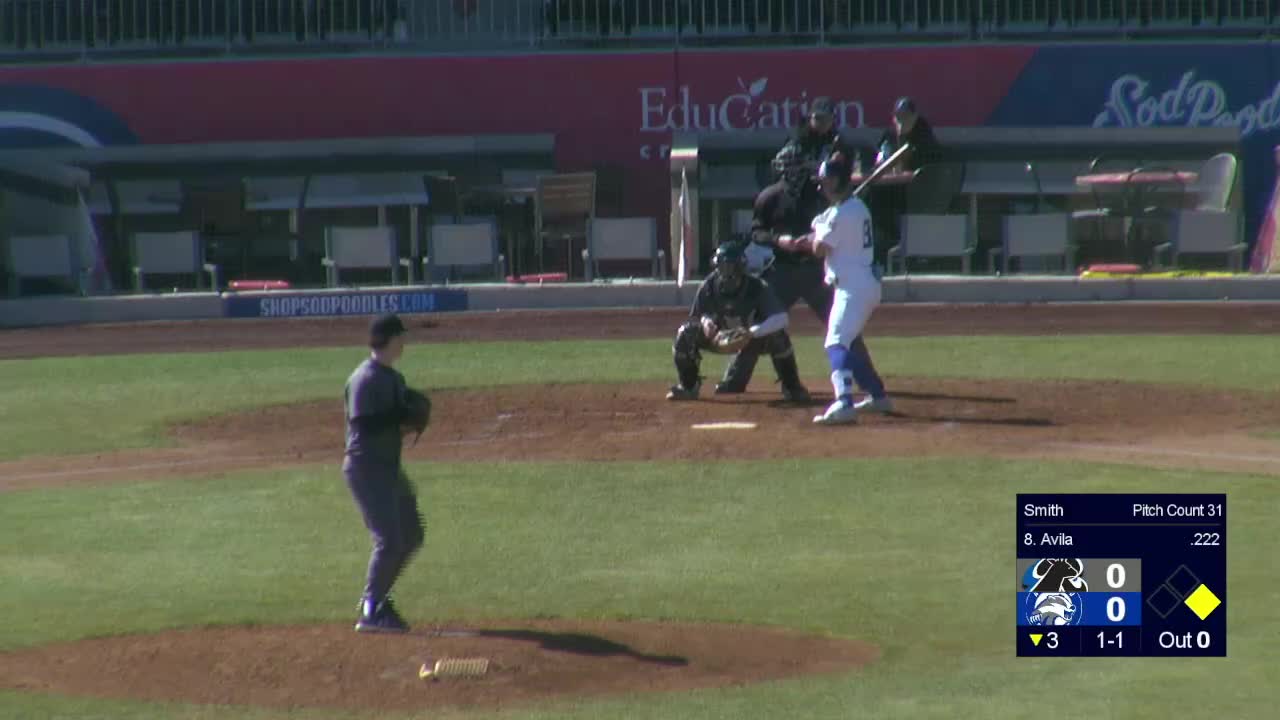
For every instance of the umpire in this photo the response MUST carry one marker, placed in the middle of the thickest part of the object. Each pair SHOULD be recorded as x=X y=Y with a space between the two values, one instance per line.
x=379 y=409
x=816 y=139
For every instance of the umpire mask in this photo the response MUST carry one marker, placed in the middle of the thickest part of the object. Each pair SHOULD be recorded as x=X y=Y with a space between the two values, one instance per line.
x=790 y=167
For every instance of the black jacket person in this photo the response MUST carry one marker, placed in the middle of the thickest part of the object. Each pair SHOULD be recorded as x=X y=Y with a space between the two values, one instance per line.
x=889 y=202
x=816 y=139
x=910 y=127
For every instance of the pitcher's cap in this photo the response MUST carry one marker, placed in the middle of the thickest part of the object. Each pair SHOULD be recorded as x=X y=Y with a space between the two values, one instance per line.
x=385 y=327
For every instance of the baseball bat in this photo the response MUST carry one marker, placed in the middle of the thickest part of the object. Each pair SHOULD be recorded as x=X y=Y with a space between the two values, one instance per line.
x=881 y=169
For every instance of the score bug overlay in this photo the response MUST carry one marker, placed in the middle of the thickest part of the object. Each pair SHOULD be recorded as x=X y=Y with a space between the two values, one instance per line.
x=1143 y=575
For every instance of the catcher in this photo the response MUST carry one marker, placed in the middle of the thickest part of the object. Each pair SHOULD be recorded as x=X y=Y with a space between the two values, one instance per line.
x=733 y=311
x=380 y=410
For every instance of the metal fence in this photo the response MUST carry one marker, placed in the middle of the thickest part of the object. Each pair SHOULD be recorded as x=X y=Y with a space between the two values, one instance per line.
x=36 y=28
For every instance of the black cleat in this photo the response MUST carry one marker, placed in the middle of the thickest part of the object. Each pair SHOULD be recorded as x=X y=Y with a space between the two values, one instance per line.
x=383 y=619
x=682 y=393
x=796 y=393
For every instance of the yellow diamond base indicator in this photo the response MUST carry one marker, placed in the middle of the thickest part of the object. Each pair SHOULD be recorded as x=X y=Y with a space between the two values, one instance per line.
x=1035 y=640
x=1202 y=602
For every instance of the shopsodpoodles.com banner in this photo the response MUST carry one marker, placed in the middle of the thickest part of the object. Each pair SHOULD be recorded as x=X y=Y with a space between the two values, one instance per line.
x=298 y=305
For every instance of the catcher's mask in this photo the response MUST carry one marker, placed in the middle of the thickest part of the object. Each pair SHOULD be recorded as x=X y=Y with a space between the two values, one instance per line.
x=730 y=263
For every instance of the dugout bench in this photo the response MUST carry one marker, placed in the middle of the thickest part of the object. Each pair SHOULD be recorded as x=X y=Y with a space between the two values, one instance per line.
x=265 y=207
x=999 y=172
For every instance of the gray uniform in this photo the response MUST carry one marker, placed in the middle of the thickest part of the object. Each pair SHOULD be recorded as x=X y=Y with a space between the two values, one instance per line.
x=375 y=401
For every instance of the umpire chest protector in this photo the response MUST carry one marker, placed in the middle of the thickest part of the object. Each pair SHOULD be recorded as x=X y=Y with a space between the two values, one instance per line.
x=784 y=213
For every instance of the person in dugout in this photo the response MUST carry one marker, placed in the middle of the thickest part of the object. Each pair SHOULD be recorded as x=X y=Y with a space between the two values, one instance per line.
x=889 y=201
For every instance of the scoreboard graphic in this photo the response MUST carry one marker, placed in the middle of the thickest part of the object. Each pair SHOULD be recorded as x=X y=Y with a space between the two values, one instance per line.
x=1146 y=575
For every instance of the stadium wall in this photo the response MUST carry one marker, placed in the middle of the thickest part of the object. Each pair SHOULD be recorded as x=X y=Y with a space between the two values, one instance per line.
x=41 y=311
x=621 y=108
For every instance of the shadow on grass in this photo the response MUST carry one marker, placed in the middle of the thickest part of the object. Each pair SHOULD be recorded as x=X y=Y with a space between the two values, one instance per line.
x=582 y=644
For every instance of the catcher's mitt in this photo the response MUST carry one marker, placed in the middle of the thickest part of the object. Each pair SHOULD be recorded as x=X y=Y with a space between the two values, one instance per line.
x=417 y=413
x=731 y=341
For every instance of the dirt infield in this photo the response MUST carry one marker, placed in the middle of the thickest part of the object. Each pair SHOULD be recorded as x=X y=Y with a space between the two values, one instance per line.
x=330 y=666
x=1109 y=421
x=1150 y=425
x=889 y=320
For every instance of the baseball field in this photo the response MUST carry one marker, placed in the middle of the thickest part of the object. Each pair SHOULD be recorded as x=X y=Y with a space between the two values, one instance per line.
x=176 y=540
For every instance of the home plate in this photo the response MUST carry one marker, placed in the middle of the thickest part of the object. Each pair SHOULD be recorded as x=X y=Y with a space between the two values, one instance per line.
x=724 y=426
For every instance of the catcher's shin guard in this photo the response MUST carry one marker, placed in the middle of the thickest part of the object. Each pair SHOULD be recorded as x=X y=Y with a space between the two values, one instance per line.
x=687 y=356
x=784 y=359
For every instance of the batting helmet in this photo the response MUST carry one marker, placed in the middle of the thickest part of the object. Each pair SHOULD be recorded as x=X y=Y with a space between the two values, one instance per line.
x=839 y=169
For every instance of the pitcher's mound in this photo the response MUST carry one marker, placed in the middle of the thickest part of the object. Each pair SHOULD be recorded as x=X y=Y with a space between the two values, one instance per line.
x=332 y=666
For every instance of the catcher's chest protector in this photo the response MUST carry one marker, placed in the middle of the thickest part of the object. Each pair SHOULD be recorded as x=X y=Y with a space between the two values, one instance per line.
x=739 y=310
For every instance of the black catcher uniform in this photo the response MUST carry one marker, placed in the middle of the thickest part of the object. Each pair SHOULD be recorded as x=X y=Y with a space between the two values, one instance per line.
x=730 y=298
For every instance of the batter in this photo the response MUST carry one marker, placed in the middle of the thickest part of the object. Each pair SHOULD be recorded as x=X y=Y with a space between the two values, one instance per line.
x=842 y=235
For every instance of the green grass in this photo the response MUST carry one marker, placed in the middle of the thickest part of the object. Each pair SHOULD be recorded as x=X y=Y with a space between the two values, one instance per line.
x=92 y=404
x=914 y=555
x=849 y=548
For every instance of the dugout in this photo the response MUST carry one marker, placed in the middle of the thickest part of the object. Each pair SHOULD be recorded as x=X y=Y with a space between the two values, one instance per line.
x=725 y=170
x=262 y=208
x=47 y=241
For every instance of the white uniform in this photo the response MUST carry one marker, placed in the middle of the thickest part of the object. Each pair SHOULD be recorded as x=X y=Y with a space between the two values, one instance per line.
x=845 y=230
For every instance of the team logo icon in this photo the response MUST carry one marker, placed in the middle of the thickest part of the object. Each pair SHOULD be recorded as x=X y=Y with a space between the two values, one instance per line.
x=1052 y=609
x=1055 y=575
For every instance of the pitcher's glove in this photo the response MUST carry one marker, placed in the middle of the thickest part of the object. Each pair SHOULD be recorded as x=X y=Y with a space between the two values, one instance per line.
x=417 y=413
x=731 y=341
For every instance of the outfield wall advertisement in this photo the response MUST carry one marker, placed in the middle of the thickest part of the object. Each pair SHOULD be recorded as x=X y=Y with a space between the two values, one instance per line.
x=621 y=108
x=325 y=304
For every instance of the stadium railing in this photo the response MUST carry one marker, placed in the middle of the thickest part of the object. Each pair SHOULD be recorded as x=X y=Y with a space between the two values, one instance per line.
x=37 y=30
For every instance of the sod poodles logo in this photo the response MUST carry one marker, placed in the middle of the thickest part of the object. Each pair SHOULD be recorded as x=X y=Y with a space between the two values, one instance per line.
x=1052 y=609
x=1191 y=102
